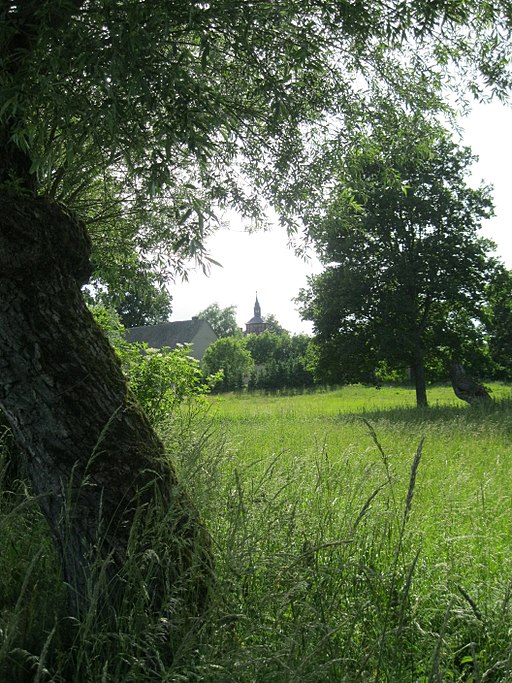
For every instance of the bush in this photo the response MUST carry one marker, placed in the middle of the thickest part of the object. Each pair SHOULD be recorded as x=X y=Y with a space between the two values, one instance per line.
x=160 y=379
x=231 y=357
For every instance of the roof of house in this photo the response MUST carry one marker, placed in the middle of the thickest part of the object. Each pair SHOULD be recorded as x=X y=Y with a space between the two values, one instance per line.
x=167 y=334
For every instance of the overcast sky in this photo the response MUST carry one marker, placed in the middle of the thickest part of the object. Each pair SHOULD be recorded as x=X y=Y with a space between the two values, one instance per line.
x=263 y=261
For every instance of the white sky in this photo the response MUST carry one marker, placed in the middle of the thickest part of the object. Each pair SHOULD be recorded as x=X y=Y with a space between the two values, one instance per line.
x=264 y=262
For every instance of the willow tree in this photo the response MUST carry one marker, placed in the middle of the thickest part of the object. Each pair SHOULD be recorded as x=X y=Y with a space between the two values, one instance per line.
x=131 y=121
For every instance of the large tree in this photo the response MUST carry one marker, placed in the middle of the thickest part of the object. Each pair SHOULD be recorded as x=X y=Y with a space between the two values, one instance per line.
x=137 y=117
x=104 y=106
x=231 y=357
x=406 y=265
x=222 y=320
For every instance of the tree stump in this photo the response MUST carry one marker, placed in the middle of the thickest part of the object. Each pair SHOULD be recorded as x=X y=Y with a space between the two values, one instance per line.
x=466 y=388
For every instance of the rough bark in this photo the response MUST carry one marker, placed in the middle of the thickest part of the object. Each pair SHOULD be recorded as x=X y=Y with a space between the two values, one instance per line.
x=91 y=454
x=418 y=372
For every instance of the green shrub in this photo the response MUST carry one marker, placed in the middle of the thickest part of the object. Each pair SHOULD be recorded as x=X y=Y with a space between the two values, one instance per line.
x=231 y=357
x=160 y=379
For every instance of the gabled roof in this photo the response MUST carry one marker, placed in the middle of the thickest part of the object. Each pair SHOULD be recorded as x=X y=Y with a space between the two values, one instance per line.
x=169 y=334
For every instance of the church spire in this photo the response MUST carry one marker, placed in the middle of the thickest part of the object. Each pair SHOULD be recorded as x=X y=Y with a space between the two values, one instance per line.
x=256 y=325
x=257 y=309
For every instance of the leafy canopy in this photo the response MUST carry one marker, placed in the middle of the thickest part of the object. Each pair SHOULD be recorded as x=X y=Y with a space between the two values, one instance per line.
x=281 y=361
x=405 y=265
x=156 y=112
x=133 y=291
x=222 y=320
x=145 y=118
x=498 y=320
x=160 y=379
x=273 y=324
x=231 y=357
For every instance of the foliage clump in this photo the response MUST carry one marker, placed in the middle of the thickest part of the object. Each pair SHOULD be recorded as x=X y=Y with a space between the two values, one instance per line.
x=498 y=321
x=231 y=357
x=222 y=320
x=160 y=379
x=282 y=361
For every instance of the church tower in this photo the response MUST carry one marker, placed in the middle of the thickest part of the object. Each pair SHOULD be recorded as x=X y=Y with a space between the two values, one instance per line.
x=256 y=324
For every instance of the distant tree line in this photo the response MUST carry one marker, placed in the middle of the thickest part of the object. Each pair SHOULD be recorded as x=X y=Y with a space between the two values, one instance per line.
x=281 y=361
x=271 y=361
x=278 y=360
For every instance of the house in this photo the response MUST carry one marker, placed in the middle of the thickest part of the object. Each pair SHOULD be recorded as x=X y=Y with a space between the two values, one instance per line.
x=196 y=332
x=256 y=324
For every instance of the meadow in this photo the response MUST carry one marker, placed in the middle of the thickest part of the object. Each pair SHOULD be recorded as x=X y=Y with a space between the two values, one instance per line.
x=356 y=538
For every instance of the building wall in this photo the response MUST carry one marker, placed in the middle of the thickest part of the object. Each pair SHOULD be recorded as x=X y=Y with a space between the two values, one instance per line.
x=255 y=328
x=203 y=338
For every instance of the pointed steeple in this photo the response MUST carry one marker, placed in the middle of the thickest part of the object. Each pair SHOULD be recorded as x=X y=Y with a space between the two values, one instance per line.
x=256 y=325
x=257 y=309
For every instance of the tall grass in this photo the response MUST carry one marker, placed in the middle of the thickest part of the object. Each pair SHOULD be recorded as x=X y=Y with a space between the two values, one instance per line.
x=355 y=540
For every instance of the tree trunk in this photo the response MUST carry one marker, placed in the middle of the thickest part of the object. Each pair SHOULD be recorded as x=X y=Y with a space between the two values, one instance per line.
x=418 y=372
x=92 y=456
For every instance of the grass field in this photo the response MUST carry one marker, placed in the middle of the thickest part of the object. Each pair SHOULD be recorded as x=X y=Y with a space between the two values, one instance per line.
x=389 y=594
x=356 y=539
